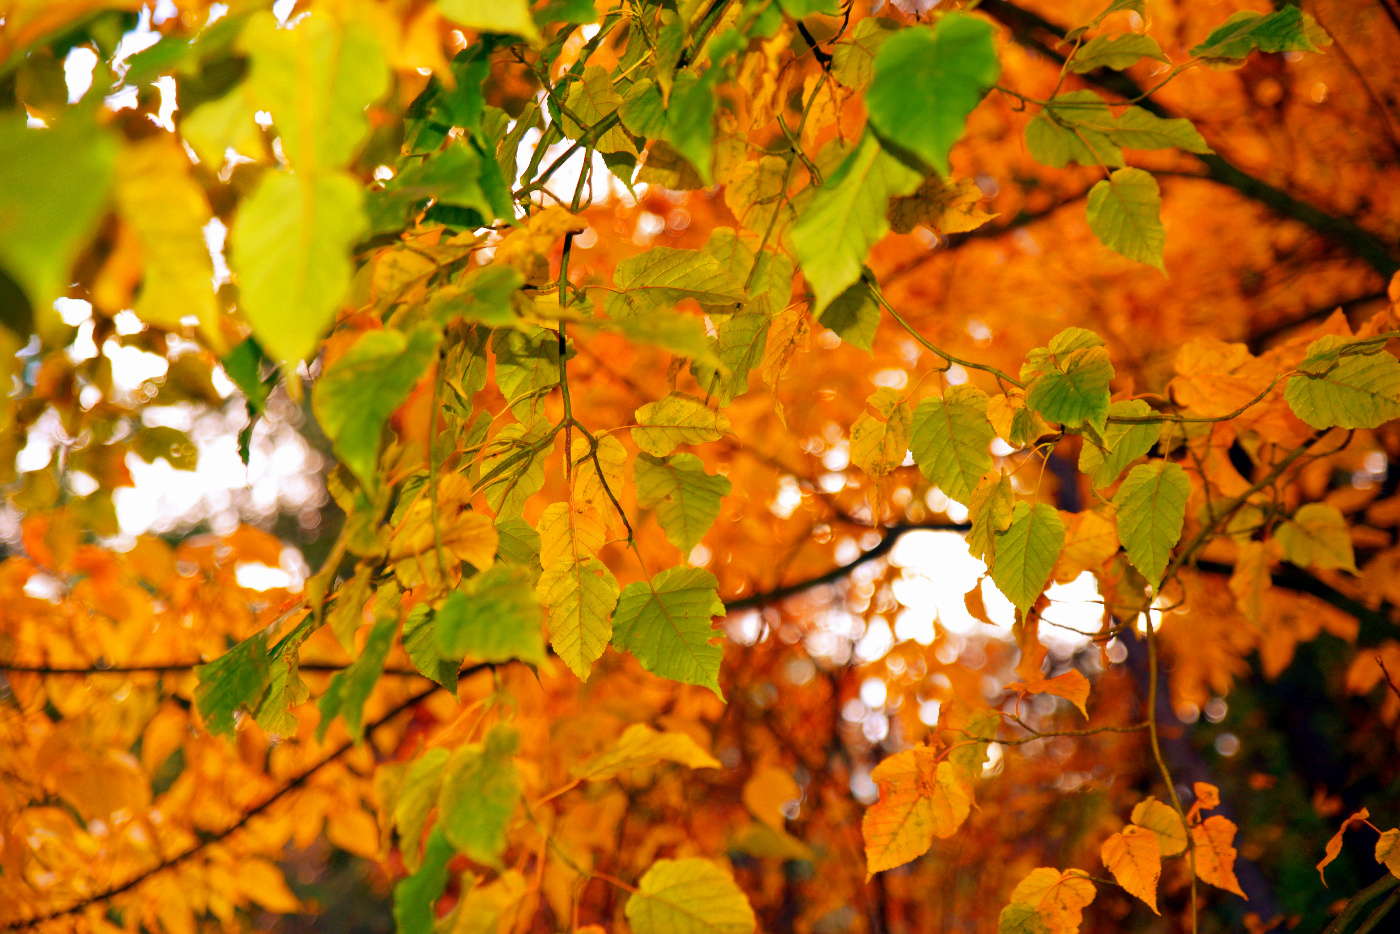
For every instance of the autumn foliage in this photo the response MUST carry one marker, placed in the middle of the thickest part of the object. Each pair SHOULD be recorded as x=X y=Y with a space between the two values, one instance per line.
x=776 y=465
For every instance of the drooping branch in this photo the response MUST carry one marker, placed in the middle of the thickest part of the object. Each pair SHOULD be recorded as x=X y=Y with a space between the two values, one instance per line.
x=1032 y=31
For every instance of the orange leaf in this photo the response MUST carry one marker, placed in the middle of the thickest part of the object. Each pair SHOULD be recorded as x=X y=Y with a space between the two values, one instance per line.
x=766 y=793
x=1388 y=851
x=1207 y=796
x=1215 y=853
x=1072 y=686
x=1135 y=858
x=920 y=798
x=1334 y=846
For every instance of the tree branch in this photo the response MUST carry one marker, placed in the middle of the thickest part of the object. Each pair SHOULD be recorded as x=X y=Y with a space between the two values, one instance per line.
x=891 y=535
x=1026 y=26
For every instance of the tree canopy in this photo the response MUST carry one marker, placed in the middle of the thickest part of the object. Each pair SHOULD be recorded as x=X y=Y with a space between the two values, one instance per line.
x=702 y=465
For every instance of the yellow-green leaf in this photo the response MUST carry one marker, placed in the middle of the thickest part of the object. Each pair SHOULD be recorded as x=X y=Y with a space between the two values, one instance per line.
x=641 y=746
x=951 y=439
x=676 y=419
x=1026 y=552
x=688 y=896
x=579 y=591
x=1151 y=507
x=667 y=623
x=1164 y=822
x=479 y=792
x=1317 y=536
x=685 y=498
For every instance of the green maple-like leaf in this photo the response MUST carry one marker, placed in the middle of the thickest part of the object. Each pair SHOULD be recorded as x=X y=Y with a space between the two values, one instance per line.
x=666 y=623
x=684 y=497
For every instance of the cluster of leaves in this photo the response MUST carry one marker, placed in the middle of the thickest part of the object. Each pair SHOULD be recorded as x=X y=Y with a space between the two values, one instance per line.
x=404 y=255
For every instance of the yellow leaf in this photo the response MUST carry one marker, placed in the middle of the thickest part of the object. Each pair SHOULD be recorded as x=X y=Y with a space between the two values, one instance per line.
x=677 y=419
x=1207 y=796
x=641 y=746
x=878 y=445
x=1388 y=851
x=1215 y=853
x=262 y=882
x=579 y=592
x=767 y=792
x=1251 y=580
x=1072 y=686
x=943 y=206
x=354 y=831
x=1047 y=902
x=487 y=909
x=920 y=798
x=1135 y=858
x=590 y=487
x=470 y=536
x=1164 y=823
x=688 y=895
x=1091 y=538
x=157 y=196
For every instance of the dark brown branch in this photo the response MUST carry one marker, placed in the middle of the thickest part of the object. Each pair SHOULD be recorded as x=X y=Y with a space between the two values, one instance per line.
x=891 y=535
x=1260 y=339
x=236 y=826
x=176 y=667
x=1028 y=29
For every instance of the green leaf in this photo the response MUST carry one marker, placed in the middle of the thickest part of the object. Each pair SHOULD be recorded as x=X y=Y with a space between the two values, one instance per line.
x=643 y=110
x=667 y=624
x=415 y=898
x=484 y=294
x=519 y=451
x=1122 y=444
x=162 y=441
x=510 y=17
x=349 y=689
x=853 y=61
x=1359 y=391
x=495 y=617
x=243 y=364
x=1137 y=128
x=950 y=440
x=663 y=276
x=285 y=689
x=316 y=81
x=1124 y=213
x=480 y=789
x=684 y=497
x=519 y=545
x=743 y=340
x=690 y=119
x=420 y=641
x=417 y=797
x=797 y=9
x=1326 y=352
x=681 y=334
x=677 y=419
x=358 y=393
x=53 y=185
x=1026 y=552
x=1317 y=536
x=854 y=315
x=238 y=678
x=592 y=97
x=1054 y=139
x=527 y=363
x=213 y=128
x=689 y=896
x=1284 y=30
x=1075 y=390
x=927 y=80
x=1116 y=52
x=847 y=217
x=291 y=246
x=1151 y=506
x=989 y=508
x=347 y=615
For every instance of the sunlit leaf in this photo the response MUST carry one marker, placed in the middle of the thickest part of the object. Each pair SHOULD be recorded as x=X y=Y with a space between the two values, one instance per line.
x=1151 y=506
x=1026 y=552
x=1124 y=213
x=480 y=789
x=688 y=896
x=1134 y=856
x=685 y=498
x=951 y=439
x=641 y=746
